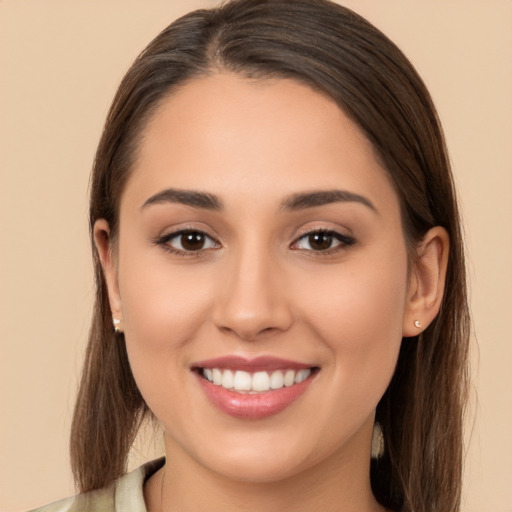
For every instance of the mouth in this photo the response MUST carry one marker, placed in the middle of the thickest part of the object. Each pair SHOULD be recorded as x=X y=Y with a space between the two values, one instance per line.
x=253 y=388
x=241 y=381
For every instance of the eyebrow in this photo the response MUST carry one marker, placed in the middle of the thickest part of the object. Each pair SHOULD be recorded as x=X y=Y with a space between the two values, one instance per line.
x=299 y=201
x=187 y=197
x=305 y=200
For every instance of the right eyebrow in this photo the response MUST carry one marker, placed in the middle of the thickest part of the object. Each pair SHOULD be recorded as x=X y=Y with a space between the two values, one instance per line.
x=193 y=198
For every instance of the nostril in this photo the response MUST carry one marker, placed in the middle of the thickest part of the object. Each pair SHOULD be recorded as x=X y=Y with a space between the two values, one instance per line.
x=253 y=327
x=252 y=305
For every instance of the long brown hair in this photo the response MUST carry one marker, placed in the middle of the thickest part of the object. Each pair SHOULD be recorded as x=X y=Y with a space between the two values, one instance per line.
x=338 y=53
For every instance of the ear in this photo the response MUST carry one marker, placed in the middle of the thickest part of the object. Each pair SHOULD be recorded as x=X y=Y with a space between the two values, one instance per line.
x=103 y=243
x=426 y=281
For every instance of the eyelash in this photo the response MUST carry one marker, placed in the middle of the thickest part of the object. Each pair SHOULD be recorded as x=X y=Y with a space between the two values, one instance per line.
x=344 y=241
x=164 y=242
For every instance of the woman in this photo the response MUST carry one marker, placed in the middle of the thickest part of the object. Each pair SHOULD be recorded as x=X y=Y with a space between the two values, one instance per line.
x=280 y=274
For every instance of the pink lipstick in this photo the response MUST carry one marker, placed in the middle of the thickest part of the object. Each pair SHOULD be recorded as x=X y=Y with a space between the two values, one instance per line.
x=253 y=388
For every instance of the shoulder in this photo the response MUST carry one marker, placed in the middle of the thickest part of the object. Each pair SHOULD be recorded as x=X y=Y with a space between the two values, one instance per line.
x=125 y=494
x=100 y=500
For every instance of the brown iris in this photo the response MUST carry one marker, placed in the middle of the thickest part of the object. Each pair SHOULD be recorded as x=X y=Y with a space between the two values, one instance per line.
x=320 y=241
x=193 y=241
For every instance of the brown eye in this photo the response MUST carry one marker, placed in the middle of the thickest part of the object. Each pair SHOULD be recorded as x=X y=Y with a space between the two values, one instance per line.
x=323 y=242
x=193 y=241
x=320 y=241
x=187 y=241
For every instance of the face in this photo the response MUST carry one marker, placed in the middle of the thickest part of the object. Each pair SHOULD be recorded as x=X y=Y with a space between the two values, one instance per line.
x=260 y=246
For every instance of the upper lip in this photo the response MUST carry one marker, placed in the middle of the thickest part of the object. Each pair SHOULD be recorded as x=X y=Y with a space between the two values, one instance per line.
x=248 y=364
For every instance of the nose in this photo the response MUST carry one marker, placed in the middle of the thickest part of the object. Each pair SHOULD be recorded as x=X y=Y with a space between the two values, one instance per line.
x=253 y=298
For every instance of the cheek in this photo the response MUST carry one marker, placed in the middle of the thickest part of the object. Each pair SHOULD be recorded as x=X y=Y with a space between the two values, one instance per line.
x=162 y=302
x=360 y=323
x=364 y=298
x=163 y=306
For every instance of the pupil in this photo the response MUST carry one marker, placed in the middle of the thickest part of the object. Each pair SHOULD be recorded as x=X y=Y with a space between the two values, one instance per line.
x=320 y=241
x=192 y=241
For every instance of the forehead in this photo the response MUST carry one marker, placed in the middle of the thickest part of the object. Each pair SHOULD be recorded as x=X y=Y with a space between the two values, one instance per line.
x=227 y=134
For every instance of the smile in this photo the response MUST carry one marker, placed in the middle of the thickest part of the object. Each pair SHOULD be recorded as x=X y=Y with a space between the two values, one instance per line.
x=253 y=388
x=258 y=382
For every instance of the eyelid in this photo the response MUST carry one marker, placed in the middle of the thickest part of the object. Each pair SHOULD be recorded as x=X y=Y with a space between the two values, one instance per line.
x=343 y=239
x=163 y=241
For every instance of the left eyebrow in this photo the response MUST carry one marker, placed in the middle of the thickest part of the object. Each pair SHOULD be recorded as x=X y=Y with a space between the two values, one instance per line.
x=304 y=200
x=192 y=198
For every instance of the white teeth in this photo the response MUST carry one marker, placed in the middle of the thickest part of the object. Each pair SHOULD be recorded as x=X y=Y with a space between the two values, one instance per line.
x=227 y=379
x=260 y=381
x=242 y=381
x=277 y=380
x=302 y=375
x=217 y=376
x=289 y=378
x=257 y=382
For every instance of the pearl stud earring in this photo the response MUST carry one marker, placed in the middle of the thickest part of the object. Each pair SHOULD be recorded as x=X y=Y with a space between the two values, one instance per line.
x=417 y=323
x=116 y=323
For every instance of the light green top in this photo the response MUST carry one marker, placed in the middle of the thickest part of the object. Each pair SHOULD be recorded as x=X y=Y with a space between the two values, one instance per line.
x=123 y=495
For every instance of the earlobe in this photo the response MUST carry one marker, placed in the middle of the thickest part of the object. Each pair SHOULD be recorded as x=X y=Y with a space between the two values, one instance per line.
x=426 y=281
x=103 y=243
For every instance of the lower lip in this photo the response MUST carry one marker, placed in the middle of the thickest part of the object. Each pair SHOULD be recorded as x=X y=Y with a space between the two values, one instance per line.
x=253 y=406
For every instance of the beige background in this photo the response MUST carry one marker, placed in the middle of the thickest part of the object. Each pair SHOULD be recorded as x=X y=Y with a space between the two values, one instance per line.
x=60 y=62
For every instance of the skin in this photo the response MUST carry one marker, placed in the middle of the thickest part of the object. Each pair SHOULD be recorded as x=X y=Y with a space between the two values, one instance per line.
x=260 y=288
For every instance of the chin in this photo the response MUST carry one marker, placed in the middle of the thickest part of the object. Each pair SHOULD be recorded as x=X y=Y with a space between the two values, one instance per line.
x=259 y=469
